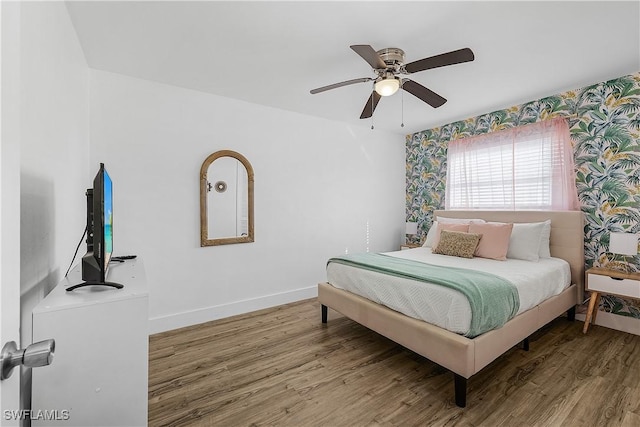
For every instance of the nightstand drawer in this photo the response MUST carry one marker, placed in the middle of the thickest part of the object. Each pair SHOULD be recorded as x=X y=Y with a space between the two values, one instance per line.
x=606 y=284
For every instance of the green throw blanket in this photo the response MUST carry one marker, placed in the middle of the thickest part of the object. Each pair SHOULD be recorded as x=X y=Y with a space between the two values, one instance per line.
x=493 y=300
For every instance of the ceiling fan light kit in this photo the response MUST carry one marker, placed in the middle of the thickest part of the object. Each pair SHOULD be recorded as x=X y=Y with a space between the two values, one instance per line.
x=387 y=87
x=389 y=66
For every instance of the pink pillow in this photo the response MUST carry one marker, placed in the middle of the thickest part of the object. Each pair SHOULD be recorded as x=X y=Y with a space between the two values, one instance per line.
x=449 y=227
x=494 y=243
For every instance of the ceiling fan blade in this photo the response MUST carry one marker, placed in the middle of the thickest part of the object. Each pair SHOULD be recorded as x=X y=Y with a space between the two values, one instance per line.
x=345 y=83
x=371 y=105
x=449 y=58
x=369 y=54
x=419 y=91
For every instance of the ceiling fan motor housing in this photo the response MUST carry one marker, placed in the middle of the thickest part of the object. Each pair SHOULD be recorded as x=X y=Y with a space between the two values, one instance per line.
x=392 y=56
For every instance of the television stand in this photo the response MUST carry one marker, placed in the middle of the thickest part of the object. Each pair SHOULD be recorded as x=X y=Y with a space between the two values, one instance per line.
x=83 y=284
x=102 y=352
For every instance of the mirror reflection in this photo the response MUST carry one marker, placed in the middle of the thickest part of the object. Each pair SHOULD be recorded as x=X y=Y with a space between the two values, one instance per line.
x=226 y=199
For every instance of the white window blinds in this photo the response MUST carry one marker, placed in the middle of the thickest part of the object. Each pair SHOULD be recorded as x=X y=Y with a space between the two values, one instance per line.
x=525 y=168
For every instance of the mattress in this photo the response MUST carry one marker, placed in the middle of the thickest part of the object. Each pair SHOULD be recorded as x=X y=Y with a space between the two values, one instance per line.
x=444 y=307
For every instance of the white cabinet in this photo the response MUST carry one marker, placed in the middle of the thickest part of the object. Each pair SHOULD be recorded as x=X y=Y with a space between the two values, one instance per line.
x=99 y=373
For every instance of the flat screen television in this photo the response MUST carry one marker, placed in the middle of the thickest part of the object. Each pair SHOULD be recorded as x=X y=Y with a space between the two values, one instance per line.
x=95 y=263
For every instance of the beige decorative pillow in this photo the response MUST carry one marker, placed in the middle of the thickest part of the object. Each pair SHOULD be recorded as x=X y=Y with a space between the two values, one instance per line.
x=456 y=243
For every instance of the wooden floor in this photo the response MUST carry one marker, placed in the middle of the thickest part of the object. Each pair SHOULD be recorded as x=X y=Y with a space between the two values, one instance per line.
x=283 y=367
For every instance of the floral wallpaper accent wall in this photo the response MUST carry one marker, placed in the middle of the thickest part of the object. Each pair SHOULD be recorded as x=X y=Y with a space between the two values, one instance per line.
x=604 y=119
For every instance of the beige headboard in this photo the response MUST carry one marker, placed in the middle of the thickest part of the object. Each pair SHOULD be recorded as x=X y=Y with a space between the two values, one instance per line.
x=567 y=234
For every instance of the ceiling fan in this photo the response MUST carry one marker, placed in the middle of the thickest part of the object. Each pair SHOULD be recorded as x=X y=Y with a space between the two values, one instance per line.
x=389 y=67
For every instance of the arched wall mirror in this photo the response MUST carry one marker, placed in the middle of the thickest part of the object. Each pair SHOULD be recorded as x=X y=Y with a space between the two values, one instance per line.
x=226 y=199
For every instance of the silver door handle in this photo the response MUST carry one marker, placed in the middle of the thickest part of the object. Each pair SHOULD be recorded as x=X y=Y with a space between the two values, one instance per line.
x=37 y=354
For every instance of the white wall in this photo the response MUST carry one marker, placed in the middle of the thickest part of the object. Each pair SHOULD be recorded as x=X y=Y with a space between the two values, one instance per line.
x=321 y=188
x=48 y=100
x=54 y=149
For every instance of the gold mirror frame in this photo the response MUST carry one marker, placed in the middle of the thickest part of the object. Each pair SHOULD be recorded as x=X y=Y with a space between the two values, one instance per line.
x=204 y=224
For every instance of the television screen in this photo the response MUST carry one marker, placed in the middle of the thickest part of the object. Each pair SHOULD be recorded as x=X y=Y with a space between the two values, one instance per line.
x=95 y=263
x=107 y=212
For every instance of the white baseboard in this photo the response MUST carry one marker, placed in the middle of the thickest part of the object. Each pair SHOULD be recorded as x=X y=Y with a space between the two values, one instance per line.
x=615 y=321
x=188 y=318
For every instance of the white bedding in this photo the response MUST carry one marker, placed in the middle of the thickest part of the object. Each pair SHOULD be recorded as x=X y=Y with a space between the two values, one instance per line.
x=444 y=307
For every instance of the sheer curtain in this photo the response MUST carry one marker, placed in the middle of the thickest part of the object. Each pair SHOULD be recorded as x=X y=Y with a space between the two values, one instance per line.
x=524 y=168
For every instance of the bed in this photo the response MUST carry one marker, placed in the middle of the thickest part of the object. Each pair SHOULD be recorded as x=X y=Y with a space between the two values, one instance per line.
x=466 y=356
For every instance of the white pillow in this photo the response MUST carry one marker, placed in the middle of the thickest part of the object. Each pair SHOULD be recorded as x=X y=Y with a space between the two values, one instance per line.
x=544 y=251
x=431 y=235
x=445 y=220
x=526 y=240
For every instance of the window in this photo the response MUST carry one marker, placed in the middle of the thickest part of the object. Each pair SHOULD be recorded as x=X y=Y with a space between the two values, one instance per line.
x=525 y=168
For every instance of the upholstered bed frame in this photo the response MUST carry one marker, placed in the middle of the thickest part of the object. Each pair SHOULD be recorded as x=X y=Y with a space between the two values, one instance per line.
x=464 y=356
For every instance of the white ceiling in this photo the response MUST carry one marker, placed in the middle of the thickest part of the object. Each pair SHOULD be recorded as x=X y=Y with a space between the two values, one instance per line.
x=272 y=53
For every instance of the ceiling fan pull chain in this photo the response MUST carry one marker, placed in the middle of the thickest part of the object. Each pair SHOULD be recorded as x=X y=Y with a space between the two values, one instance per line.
x=402 y=108
x=372 y=102
x=372 y=120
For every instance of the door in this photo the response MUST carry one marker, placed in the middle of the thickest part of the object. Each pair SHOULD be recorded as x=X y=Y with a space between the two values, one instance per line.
x=10 y=201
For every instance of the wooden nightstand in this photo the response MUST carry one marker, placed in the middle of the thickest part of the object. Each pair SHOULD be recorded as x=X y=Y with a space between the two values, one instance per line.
x=409 y=246
x=604 y=281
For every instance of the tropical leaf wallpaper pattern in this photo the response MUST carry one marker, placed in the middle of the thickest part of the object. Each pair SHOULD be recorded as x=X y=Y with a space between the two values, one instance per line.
x=605 y=129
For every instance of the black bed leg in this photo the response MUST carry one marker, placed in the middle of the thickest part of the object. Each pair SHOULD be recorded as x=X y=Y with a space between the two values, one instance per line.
x=460 y=383
x=571 y=314
x=324 y=313
x=525 y=344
